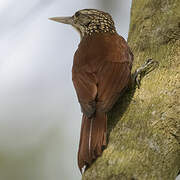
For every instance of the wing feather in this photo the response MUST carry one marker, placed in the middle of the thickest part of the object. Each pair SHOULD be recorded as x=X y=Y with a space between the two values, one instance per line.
x=112 y=80
x=86 y=89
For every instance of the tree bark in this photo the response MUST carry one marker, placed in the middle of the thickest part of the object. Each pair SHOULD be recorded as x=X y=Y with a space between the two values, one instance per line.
x=144 y=125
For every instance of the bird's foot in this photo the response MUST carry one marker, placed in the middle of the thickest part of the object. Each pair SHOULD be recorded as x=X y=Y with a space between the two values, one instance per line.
x=142 y=71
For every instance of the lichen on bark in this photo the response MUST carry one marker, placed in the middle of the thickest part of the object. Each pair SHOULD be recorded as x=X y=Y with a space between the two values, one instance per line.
x=144 y=125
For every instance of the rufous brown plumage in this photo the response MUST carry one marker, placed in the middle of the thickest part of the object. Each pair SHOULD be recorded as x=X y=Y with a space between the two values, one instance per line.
x=101 y=72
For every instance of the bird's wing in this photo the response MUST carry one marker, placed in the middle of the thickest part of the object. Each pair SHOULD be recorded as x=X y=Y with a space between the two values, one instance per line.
x=113 y=78
x=86 y=89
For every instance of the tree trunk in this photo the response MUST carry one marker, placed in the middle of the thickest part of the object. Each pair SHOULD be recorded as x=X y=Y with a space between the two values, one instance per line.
x=144 y=125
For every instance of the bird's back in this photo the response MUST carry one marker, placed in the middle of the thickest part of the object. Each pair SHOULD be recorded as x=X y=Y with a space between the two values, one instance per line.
x=95 y=49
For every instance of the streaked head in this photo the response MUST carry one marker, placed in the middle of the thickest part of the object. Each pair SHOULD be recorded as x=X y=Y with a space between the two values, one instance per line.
x=89 y=21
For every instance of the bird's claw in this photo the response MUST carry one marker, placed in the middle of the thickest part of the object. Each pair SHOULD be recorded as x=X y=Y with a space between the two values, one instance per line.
x=145 y=69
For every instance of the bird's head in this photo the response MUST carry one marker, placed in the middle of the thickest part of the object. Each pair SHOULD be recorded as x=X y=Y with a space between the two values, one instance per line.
x=89 y=21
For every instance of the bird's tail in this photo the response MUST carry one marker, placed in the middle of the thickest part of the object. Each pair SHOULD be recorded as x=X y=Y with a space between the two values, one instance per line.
x=92 y=139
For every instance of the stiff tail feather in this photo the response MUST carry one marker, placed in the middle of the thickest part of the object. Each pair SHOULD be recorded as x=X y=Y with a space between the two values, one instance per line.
x=92 y=138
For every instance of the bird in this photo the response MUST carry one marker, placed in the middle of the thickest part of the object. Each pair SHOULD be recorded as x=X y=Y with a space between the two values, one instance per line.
x=101 y=73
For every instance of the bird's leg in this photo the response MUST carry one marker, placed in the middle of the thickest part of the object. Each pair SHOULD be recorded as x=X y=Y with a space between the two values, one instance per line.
x=145 y=69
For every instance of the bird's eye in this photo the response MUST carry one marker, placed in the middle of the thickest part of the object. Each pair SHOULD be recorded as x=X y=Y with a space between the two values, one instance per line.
x=88 y=23
x=77 y=14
